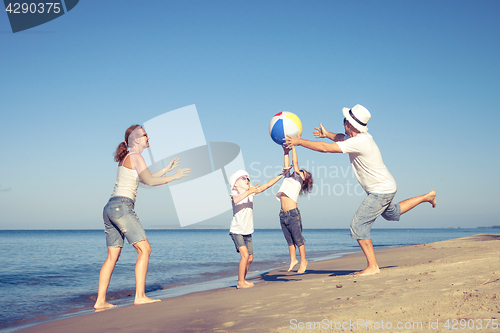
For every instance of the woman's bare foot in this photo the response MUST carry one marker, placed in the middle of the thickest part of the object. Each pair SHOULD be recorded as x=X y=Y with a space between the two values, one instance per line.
x=244 y=285
x=249 y=283
x=431 y=197
x=145 y=300
x=103 y=306
x=303 y=266
x=367 y=271
x=292 y=264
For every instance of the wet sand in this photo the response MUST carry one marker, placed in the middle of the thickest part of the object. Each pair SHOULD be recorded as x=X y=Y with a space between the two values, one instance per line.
x=421 y=288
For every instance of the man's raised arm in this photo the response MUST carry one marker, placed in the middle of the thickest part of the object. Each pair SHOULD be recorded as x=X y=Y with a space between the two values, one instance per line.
x=318 y=146
x=321 y=132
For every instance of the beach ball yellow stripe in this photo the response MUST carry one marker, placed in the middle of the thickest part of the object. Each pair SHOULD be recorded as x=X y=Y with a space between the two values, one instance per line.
x=296 y=120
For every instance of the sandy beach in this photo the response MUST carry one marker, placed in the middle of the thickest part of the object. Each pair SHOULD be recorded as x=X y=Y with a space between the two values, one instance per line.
x=437 y=287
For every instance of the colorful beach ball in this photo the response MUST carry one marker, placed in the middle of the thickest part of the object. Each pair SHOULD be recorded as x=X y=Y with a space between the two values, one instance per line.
x=283 y=124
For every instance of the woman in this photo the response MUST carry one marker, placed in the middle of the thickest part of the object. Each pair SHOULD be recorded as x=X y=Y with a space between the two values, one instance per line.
x=120 y=220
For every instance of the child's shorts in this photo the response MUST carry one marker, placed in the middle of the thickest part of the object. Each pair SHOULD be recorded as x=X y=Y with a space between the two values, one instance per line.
x=291 y=224
x=242 y=240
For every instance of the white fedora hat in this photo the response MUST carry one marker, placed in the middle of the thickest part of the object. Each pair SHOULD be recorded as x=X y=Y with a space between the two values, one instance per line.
x=358 y=117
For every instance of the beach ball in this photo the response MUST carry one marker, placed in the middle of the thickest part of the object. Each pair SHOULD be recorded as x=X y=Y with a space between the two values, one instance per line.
x=283 y=124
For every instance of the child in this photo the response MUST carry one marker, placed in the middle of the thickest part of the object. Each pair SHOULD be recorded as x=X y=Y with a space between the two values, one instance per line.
x=299 y=182
x=242 y=193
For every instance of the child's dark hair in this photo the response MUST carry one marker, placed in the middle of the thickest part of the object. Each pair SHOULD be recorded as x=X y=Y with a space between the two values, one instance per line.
x=307 y=184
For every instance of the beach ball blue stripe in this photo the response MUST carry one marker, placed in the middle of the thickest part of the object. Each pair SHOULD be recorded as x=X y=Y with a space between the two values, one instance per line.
x=278 y=132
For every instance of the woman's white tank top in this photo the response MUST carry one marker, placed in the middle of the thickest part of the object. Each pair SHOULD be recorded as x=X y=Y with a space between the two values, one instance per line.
x=127 y=182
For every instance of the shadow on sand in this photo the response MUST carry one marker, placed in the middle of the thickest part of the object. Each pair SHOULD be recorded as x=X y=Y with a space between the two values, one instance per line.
x=284 y=276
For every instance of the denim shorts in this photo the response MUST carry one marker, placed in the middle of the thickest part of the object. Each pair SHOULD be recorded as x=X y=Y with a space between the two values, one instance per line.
x=120 y=220
x=242 y=240
x=374 y=205
x=291 y=224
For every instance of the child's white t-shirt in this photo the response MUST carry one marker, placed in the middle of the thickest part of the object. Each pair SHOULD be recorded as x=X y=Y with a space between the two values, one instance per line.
x=242 y=222
x=291 y=186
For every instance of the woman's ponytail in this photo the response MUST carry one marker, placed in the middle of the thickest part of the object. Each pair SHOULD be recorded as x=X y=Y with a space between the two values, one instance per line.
x=121 y=150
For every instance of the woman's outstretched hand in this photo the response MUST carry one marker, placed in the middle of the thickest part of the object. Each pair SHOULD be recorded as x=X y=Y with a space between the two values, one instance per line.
x=173 y=164
x=182 y=172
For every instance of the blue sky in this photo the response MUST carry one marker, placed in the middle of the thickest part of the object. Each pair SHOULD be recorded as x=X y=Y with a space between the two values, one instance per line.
x=428 y=72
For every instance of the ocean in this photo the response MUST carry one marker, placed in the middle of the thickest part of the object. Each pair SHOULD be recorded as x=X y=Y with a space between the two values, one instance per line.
x=48 y=274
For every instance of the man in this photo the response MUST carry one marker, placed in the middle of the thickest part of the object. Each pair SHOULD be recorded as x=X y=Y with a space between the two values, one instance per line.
x=371 y=173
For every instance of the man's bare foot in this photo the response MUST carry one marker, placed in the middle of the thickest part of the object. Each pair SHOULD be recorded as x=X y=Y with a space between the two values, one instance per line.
x=145 y=300
x=303 y=266
x=103 y=306
x=292 y=264
x=249 y=283
x=243 y=285
x=431 y=197
x=367 y=271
